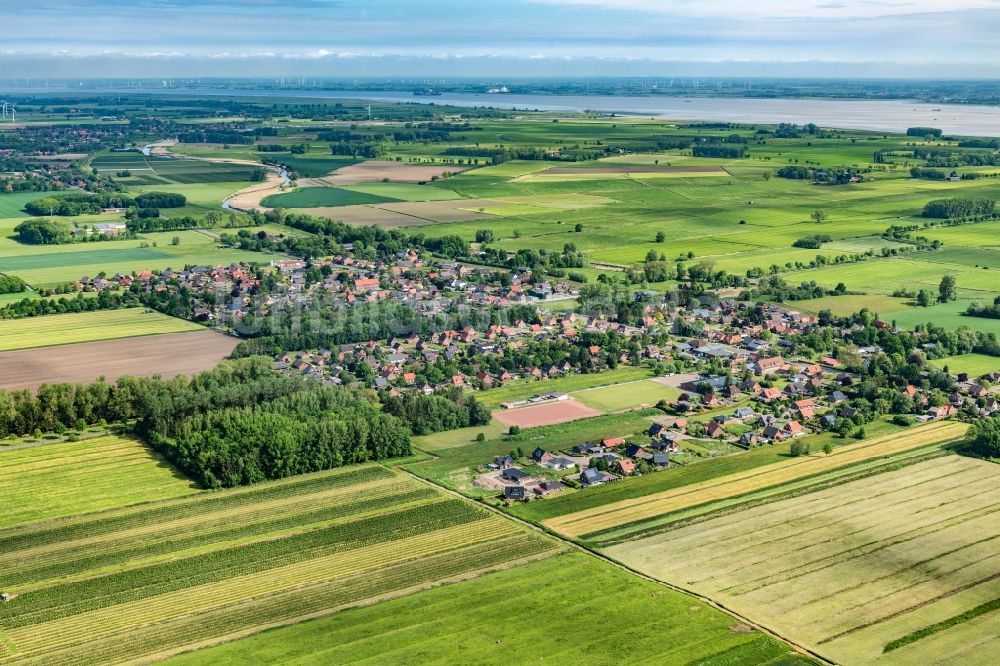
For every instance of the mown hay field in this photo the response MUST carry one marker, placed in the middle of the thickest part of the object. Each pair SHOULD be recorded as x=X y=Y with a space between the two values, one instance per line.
x=898 y=568
x=77 y=327
x=632 y=510
x=149 y=580
x=534 y=613
x=69 y=478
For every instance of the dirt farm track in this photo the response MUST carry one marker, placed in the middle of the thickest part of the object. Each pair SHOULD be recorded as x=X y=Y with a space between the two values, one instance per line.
x=168 y=355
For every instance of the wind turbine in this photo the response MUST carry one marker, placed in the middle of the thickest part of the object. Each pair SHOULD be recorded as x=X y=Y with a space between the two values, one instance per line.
x=13 y=117
x=3 y=105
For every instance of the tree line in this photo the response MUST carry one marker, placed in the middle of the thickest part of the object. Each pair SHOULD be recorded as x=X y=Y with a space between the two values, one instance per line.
x=242 y=422
x=82 y=203
x=958 y=207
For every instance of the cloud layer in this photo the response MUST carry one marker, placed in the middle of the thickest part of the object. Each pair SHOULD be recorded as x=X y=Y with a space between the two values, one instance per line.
x=53 y=37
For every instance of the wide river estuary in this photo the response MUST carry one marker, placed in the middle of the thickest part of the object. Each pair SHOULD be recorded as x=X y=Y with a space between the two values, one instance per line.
x=876 y=115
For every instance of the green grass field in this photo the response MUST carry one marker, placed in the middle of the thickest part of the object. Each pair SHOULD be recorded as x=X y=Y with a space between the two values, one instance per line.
x=948 y=315
x=522 y=615
x=905 y=551
x=972 y=364
x=842 y=306
x=314 y=167
x=735 y=219
x=522 y=389
x=460 y=437
x=153 y=170
x=404 y=191
x=314 y=197
x=69 y=478
x=64 y=329
x=151 y=579
x=47 y=265
x=631 y=395
x=11 y=204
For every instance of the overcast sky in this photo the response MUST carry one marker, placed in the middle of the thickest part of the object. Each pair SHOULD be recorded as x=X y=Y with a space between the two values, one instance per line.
x=334 y=38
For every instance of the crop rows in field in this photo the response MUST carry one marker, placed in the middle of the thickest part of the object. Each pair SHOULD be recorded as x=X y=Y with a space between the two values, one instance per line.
x=852 y=569
x=178 y=170
x=316 y=600
x=63 y=329
x=237 y=560
x=521 y=615
x=629 y=511
x=64 y=479
x=669 y=521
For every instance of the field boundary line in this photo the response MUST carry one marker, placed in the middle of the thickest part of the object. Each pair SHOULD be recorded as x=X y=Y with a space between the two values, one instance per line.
x=602 y=512
x=750 y=502
x=798 y=647
x=371 y=601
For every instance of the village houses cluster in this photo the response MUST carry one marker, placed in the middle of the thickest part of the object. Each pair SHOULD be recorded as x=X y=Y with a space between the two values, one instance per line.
x=735 y=381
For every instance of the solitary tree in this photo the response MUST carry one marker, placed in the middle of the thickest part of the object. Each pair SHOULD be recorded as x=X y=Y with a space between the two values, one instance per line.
x=948 y=289
x=766 y=175
x=923 y=298
x=660 y=237
x=818 y=216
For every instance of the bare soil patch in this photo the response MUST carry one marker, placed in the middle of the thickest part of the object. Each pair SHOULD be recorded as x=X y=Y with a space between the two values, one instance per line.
x=61 y=157
x=167 y=355
x=676 y=380
x=249 y=198
x=373 y=171
x=458 y=210
x=365 y=216
x=547 y=414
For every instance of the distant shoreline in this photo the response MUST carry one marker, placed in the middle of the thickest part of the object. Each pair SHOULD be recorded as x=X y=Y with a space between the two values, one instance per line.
x=869 y=115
